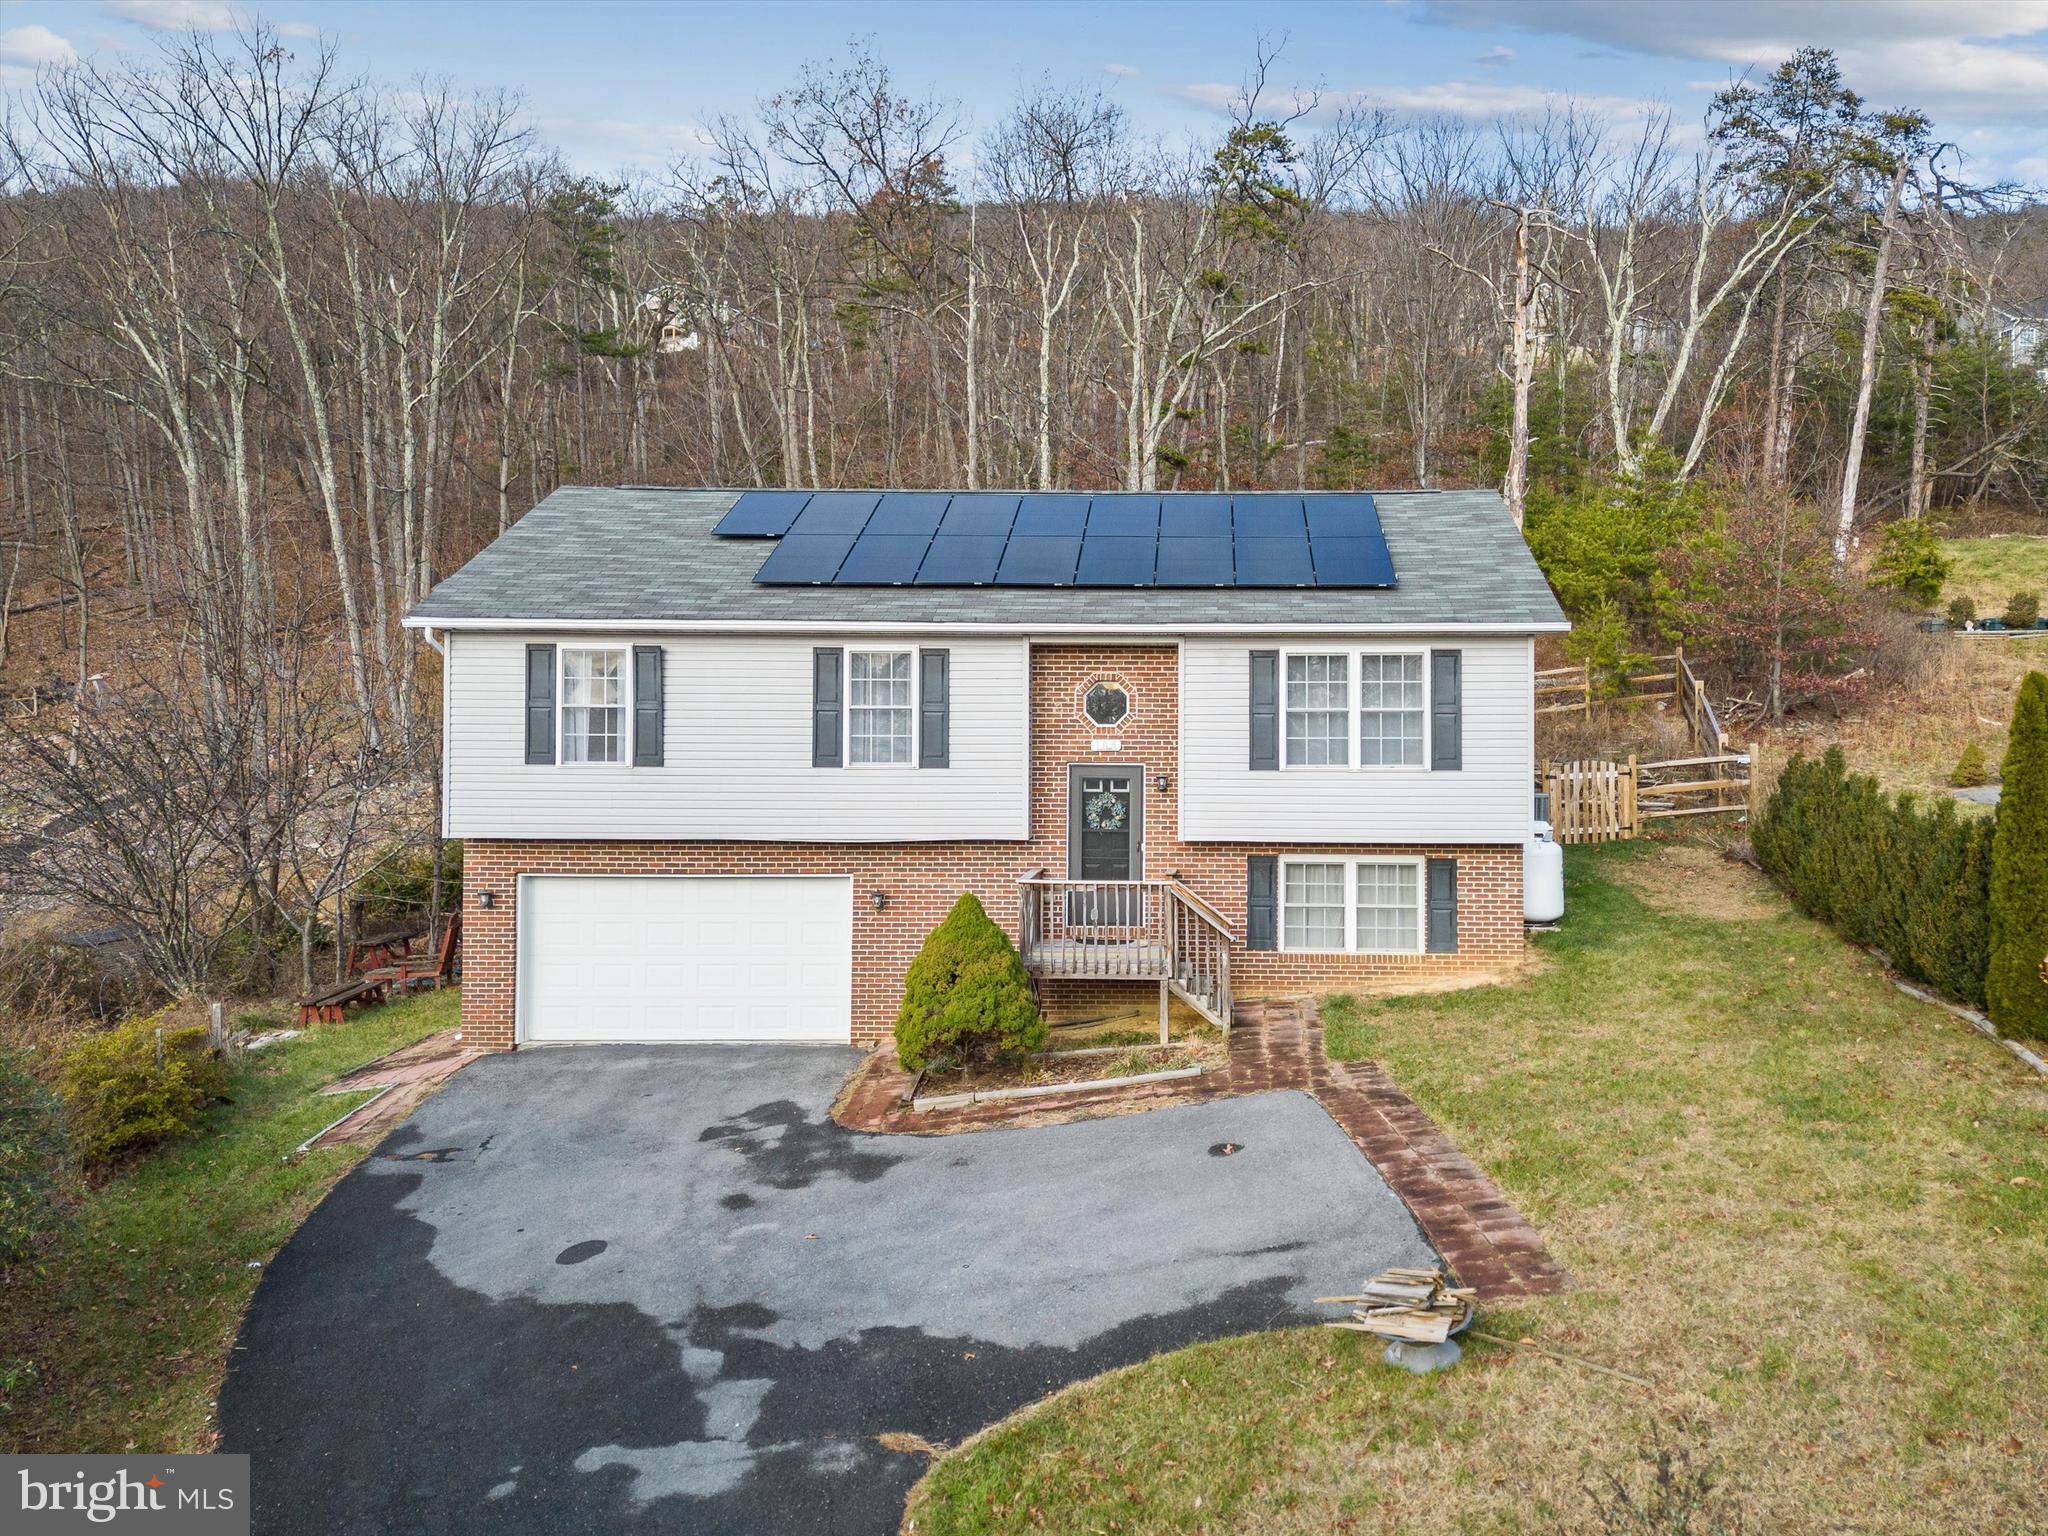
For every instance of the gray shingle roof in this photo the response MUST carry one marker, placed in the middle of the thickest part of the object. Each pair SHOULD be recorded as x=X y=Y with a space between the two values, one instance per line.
x=596 y=554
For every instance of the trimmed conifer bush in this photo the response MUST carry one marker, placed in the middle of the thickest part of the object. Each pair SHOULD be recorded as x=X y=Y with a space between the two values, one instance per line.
x=2022 y=610
x=1970 y=768
x=2016 y=997
x=1962 y=609
x=967 y=996
x=1915 y=883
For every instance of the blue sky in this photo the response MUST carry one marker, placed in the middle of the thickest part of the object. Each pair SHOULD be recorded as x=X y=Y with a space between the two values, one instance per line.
x=625 y=87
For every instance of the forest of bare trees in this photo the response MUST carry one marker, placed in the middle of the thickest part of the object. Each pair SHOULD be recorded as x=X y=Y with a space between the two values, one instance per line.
x=280 y=347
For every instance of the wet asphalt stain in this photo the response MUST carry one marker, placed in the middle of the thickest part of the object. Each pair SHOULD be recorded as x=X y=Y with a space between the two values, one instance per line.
x=738 y=1200
x=576 y=1253
x=788 y=1148
x=374 y=1395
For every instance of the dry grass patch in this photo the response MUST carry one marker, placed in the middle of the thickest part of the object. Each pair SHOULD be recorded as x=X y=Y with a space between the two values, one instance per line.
x=1692 y=879
x=1810 y=1210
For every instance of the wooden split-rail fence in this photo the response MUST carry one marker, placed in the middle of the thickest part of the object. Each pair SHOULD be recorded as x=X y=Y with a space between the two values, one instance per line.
x=1570 y=691
x=1597 y=800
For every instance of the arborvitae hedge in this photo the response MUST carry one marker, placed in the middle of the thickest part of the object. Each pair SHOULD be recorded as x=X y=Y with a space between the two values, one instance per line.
x=967 y=995
x=1916 y=883
x=2019 y=871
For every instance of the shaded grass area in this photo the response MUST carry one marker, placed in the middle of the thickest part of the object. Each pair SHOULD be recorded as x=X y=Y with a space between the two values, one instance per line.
x=119 y=1338
x=1992 y=569
x=1810 y=1210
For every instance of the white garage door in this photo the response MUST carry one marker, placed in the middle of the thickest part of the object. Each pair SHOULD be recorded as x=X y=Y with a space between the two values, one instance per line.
x=630 y=957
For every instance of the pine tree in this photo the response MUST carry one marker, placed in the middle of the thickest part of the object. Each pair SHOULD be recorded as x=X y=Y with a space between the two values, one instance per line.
x=2014 y=990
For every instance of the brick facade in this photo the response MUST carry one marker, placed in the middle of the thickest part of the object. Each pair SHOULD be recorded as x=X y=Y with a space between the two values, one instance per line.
x=922 y=880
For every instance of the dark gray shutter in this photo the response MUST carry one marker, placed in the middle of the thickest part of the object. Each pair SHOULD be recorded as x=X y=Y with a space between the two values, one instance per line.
x=1265 y=710
x=540 y=703
x=1261 y=874
x=934 y=724
x=647 y=716
x=828 y=704
x=1446 y=711
x=1443 y=906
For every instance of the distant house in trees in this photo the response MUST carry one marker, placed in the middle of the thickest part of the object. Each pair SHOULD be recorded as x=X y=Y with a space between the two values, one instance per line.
x=2022 y=328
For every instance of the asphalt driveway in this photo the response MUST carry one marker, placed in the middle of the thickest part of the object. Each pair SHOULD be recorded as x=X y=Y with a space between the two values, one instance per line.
x=631 y=1288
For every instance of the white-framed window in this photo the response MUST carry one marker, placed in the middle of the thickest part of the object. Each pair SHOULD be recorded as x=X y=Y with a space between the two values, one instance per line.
x=1318 y=708
x=595 y=689
x=1366 y=709
x=1367 y=906
x=1393 y=710
x=1313 y=903
x=1386 y=906
x=881 y=709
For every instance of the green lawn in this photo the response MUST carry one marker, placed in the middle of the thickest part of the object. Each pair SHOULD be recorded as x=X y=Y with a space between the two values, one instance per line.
x=1809 y=1210
x=120 y=1340
x=1992 y=569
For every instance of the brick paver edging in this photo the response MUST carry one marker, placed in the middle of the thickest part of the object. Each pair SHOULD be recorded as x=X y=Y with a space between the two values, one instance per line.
x=1278 y=1043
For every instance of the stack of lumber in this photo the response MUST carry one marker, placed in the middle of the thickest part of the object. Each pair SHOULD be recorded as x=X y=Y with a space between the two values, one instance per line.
x=1411 y=1305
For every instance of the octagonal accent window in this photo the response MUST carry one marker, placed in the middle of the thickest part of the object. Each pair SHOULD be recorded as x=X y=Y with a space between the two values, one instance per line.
x=1106 y=704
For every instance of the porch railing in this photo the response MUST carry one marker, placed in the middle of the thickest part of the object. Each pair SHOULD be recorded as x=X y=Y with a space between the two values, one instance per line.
x=1128 y=930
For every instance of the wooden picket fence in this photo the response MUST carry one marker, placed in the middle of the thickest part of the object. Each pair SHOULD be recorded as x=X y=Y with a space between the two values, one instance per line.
x=1600 y=800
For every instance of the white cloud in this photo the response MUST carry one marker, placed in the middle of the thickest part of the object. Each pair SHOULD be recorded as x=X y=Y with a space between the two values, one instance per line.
x=296 y=29
x=31 y=46
x=174 y=15
x=1494 y=57
x=1448 y=98
x=1125 y=70
x=1964 y=60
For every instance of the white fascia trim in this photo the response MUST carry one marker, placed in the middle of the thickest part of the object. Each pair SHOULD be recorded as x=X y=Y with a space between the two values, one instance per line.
x=1035 y=631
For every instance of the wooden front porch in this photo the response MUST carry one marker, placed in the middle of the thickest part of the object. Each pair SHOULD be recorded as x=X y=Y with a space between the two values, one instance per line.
x=1140 y=931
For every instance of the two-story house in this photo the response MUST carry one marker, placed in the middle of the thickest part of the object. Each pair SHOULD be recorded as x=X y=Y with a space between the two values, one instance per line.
x=721 y=760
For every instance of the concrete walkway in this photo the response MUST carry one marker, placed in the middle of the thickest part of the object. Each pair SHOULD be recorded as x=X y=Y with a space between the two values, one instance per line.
x=631 y=1289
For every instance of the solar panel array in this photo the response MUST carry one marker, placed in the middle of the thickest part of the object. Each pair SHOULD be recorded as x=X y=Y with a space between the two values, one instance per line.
x=1031 y=539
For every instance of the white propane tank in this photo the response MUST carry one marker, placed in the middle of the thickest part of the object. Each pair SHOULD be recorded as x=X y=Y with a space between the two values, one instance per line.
x=1542 y=876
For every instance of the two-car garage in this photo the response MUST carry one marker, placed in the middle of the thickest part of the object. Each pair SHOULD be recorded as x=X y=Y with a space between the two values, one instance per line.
x=685 y=958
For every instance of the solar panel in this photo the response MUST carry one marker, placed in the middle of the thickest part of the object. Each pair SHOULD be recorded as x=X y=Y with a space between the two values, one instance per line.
x=804 y=558
x=909 y=512
x=1037 y=561
x=1123 y=516
x=1049 y=514
x=883 y=560
x=1267 y=516
x=980 y=514
x=1195 y=516
x=1198 y=562
x=1271 y=562
x=1352 y=563
x=1342 y=517
x=761 y=514
x=1116 y=562
x=967 y=560
x=835 y=512
x=1060 y=539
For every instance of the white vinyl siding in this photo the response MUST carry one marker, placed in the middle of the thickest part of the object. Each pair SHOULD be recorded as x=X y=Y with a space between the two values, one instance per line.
x=1371 y=906
x=594 y=704
x=881 y=708
x=1486 y=800
x=737 y=749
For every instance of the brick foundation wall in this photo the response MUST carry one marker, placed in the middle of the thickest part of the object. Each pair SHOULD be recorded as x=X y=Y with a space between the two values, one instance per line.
x=922 y=880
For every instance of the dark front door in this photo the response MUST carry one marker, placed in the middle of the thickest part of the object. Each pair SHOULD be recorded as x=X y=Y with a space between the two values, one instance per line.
x=1105 y=841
